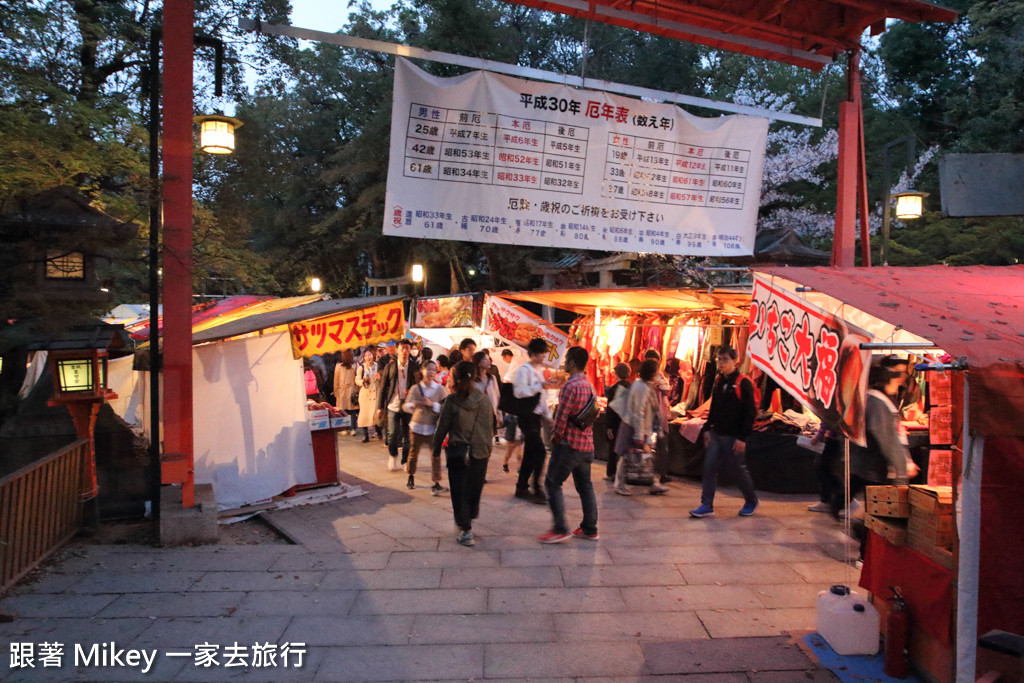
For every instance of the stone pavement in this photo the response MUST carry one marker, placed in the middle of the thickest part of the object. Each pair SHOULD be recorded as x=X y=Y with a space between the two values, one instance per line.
x=380 y=591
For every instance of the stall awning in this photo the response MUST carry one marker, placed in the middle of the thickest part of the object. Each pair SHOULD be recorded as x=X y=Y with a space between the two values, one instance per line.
x=585 y=301
x=310 y=309
x=975 y=311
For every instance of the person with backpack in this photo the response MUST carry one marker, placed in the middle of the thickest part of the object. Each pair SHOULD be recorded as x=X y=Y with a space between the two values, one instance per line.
x=572 y=450
x=730 y=422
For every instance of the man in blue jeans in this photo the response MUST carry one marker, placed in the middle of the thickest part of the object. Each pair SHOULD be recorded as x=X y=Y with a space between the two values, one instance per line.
x=730 y=422
x=572 y=452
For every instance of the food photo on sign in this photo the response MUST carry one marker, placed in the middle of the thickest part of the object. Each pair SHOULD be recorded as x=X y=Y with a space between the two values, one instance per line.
x=516 y=326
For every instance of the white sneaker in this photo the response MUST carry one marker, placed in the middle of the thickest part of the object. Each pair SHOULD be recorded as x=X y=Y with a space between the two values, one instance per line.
x=819 y=507
x=393 y=465
x=852 y=510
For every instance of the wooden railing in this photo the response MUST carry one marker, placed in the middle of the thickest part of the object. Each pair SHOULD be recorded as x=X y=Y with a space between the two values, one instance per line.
x=40 y=509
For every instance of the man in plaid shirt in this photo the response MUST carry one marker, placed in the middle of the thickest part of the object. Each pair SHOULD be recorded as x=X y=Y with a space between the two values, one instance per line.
x=572 y=452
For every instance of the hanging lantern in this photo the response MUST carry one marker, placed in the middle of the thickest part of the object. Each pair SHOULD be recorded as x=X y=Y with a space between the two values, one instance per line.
x=217 y=133
x=314 y=284
x=417 y=272
x=909 y=205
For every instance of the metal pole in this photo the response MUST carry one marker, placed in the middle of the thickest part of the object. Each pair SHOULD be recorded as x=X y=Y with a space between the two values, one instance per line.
x=894 y=346
x=154 y=270
x=887 y=198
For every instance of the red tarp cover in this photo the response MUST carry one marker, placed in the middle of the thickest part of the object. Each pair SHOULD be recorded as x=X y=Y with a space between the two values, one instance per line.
x=927 y=587
x=976 y=311
x=202 y=312
x=1001 y=565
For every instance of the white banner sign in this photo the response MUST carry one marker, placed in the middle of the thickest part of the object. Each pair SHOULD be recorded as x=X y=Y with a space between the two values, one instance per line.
x=516 y=325
x=815 y=355
x=489 y=158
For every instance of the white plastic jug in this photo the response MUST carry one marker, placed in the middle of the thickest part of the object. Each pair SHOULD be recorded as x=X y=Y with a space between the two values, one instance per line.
x=847 y=622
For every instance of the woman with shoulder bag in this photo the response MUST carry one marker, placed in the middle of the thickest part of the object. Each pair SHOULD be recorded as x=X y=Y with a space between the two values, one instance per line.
x=345 y=389
x=467 y=421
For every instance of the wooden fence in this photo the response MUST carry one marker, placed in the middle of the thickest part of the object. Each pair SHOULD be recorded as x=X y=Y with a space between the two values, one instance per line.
x=40 y=509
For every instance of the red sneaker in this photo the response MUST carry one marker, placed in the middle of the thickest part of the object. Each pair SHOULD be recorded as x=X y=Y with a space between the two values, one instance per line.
x=553 y=537
x=589 y=537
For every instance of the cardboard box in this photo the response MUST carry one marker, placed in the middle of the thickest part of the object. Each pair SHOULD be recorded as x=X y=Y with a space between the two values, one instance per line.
x=926 y=531
x=940 y=468
x=940 y=556
x=934 y=500
x=884 y=508
x=889 y=494
x=892 y=530
x=318 y=419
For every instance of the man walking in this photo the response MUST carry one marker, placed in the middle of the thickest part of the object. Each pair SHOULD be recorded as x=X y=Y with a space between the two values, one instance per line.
x=572 y=451
x=730 y=422
x=396 y=380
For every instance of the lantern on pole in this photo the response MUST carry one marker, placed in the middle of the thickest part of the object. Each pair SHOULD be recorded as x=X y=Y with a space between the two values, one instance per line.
x=80 y=384
x=217 y=133
x=909 y=205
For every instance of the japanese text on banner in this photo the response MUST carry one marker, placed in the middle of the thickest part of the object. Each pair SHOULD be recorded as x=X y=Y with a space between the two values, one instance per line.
x=516 y=325
x=813 y=354
x=348 y=330
x=494 y=159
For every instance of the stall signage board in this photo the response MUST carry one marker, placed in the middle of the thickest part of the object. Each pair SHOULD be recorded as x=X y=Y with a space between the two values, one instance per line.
x=348 y=330
x=446 y=311
x=494 y=159
x=515 y=325
x=814 y=354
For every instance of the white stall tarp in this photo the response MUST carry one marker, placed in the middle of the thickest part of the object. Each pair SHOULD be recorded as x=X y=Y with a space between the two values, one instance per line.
x=252 y=440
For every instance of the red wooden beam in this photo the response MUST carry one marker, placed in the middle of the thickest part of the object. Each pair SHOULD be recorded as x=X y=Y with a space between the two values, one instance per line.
x=179 y=17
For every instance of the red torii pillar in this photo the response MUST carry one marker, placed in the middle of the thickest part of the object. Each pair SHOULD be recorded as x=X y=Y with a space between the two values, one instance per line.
x=852 y=193
x=179 y=18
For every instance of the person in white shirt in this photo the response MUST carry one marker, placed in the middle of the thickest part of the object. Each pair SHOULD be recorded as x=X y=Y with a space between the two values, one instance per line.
x=424 y=403
x=529 y=382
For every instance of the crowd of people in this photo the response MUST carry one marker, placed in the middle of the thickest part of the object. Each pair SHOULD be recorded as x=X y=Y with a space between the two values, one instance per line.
x=464 y=403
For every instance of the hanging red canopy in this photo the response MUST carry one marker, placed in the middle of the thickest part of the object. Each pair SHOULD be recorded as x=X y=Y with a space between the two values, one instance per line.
x=976 y=312
x=807 y=33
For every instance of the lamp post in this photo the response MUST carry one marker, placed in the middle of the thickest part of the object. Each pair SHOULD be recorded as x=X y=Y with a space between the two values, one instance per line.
x=80 y=384
x=314 y=284
x=219 y=140
x=905 y=200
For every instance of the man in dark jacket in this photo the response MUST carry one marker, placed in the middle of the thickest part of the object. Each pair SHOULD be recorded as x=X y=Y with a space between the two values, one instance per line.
x=730 y=422
x=396 y=380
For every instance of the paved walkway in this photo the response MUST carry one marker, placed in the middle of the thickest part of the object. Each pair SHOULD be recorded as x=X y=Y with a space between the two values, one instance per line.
x=379 y=590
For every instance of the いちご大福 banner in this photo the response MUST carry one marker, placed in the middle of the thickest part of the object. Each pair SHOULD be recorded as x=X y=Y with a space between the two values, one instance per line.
x=490 y=158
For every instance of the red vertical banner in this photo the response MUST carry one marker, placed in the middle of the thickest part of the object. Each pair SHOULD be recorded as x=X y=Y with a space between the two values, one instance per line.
x=813 y=354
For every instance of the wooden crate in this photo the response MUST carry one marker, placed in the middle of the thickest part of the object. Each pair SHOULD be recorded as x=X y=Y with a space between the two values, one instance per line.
x=888 y=494
x=892 y=530
x=925 y=530
x=935 y=500
x=885 y=508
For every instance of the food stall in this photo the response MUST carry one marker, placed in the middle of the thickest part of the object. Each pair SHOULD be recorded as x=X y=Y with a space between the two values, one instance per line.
x=619 y=325
x=969 y=321
x=247 y=370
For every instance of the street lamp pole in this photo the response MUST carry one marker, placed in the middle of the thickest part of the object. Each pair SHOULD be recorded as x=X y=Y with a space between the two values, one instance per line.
x=910 y=141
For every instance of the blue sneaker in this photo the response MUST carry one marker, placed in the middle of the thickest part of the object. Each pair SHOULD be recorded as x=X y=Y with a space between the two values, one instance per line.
x=748 y=508
x=703 y=511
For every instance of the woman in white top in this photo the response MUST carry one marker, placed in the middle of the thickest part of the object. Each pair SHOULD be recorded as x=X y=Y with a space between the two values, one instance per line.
x=424 y=402
x=367 y=379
